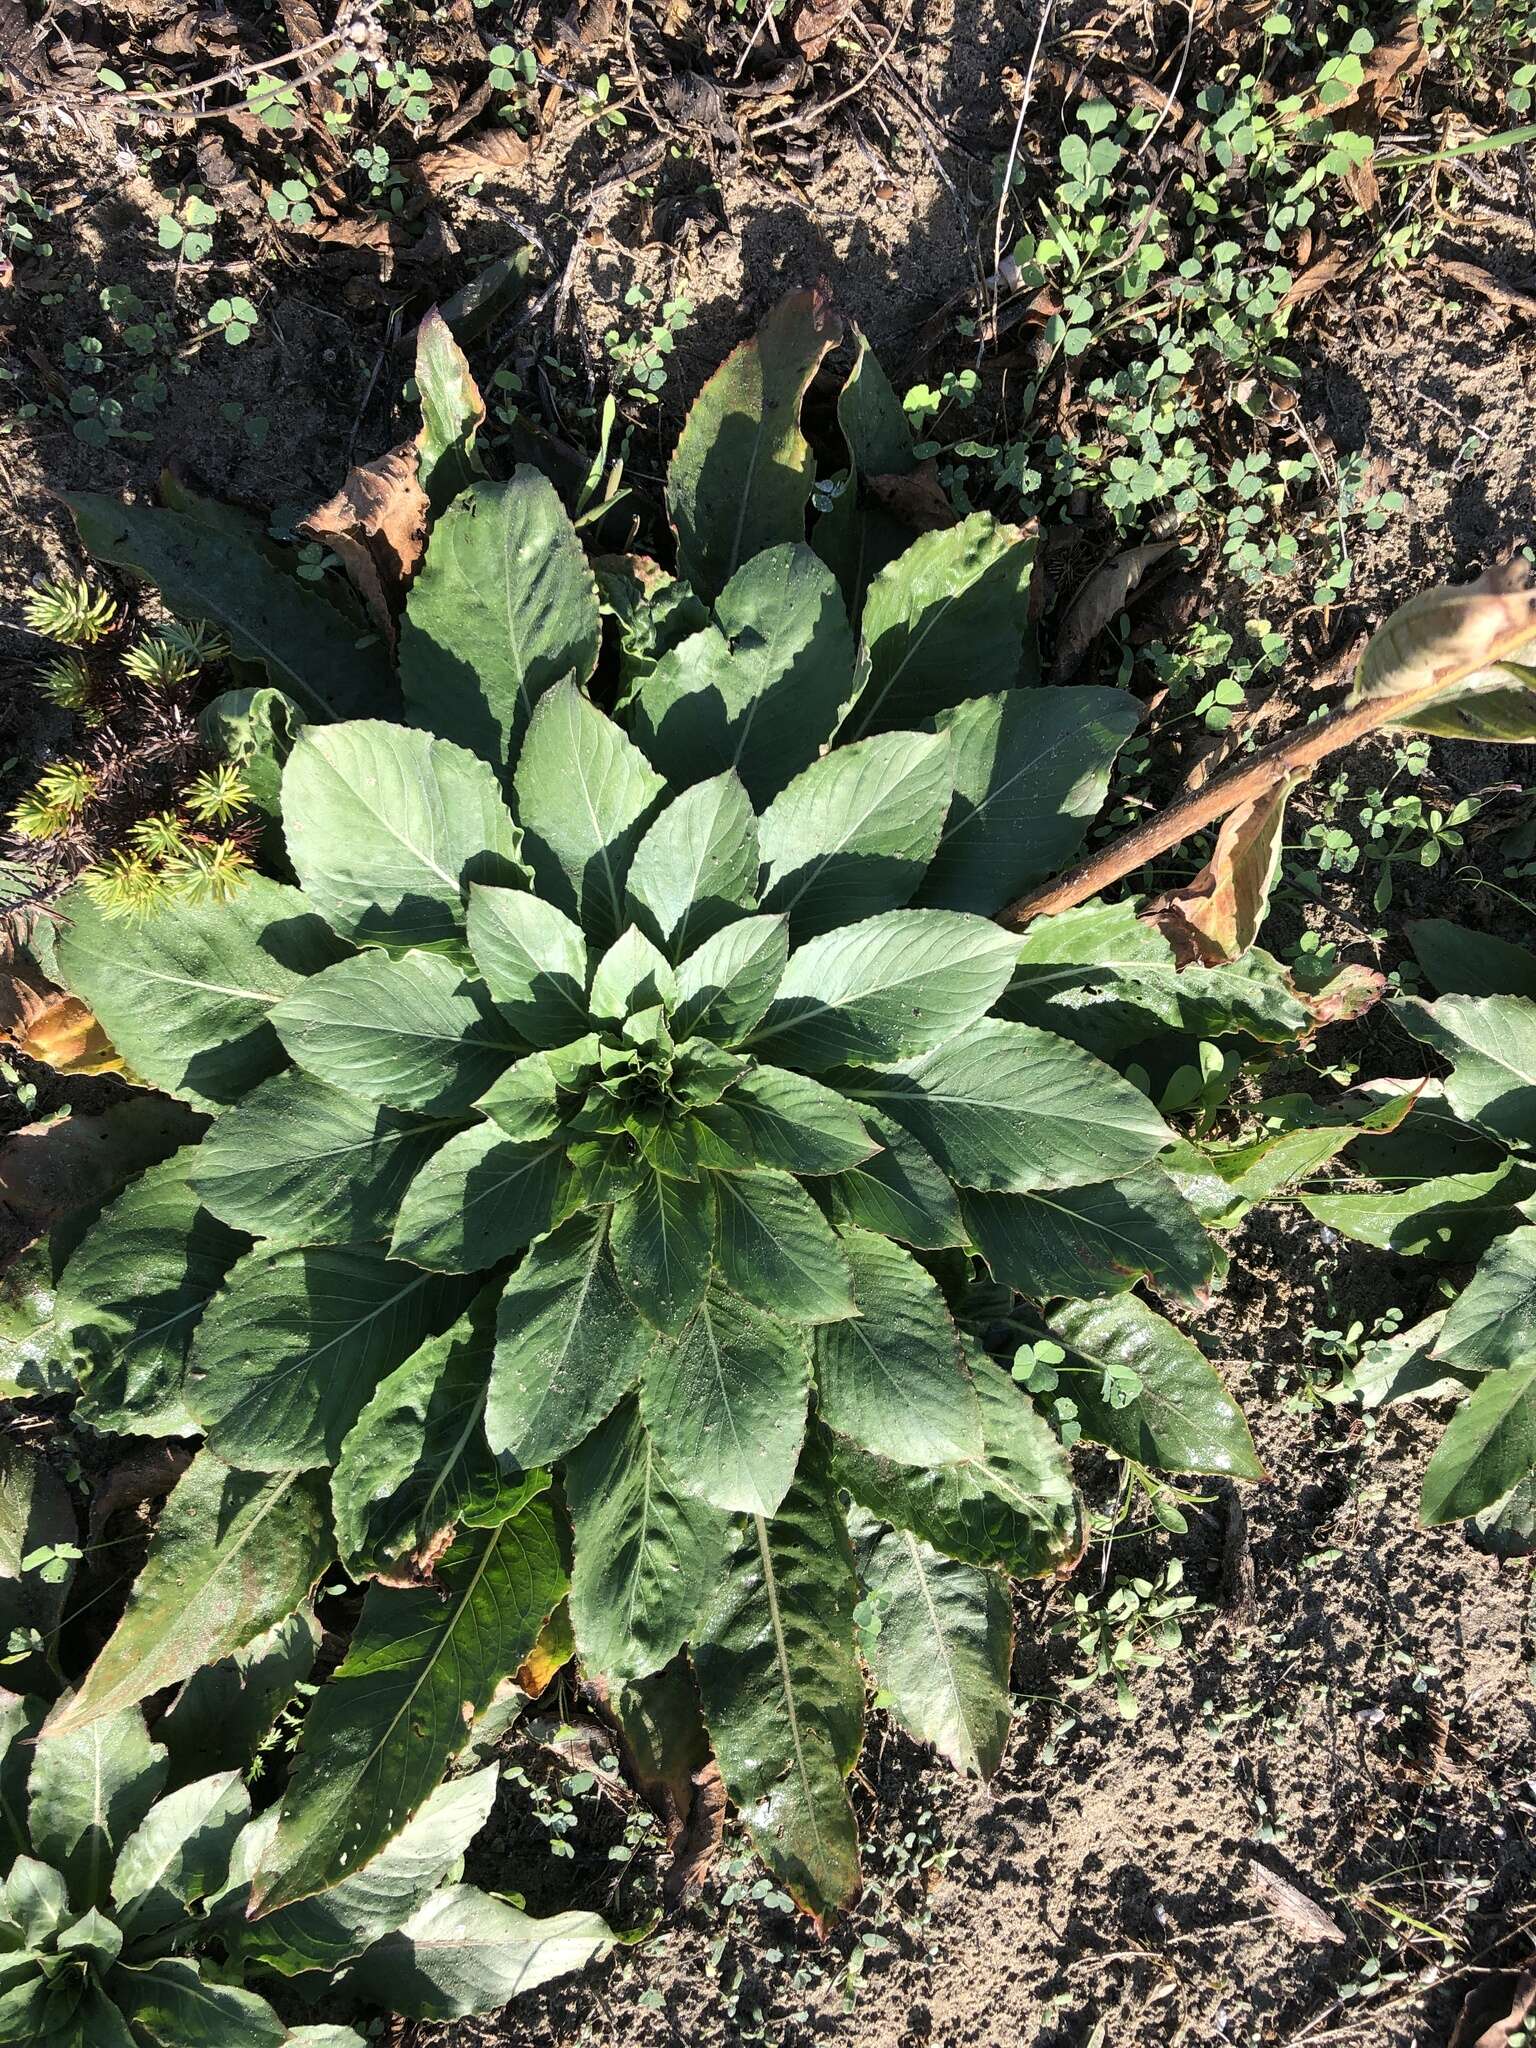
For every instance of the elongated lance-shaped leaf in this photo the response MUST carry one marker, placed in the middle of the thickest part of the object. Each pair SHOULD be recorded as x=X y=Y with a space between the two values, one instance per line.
x=180 y=1850
x=773 y=1117
x=1490 y=1042
x=696 y=868
x=233 y=1553
x=1013 y=1506
x=647 y=1555
x=898 y=1191
x=466 y=1951
x=1460 y=962
x=776 y=1249
x=943 y=1647
x=87 y=1791
x=1488 y=1448
x=1182 y=1419
x=171 y=2003
x=725 y=986
x=741 y=475
x=452 y=413
x=662 y=1239
x=1493 y=1323
x=422 y=1663
x=1095 y=1240
x=477 y=1200
x=534 y=960
x=416 y=1462
x=856 y=539
x=1449 y=1216
x=387 y=829
x=782 y=1691
x=203 y=572
x=503 y=605
x=186 y=992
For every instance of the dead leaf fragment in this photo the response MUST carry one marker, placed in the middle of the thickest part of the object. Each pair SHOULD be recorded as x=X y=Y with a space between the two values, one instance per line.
x=1299 y=1913
x=1104 y=594
x=917 y=499
x=1473 y=278
x=1215 y=918
x=1450 y=635
x=1494 y=2013
x=815 y=23
x=377 y=525
x=495 y=153
x=699 y=1844
x=54 y=1028
x=1350 y=994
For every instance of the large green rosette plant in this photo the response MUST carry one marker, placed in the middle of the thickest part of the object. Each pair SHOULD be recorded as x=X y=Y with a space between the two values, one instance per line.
x=627 y=1086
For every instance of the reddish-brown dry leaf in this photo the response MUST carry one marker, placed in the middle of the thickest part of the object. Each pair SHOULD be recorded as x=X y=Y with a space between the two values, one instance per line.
x=554 y=1649
x=497 y=153
x=1331 y=267
x=1495 y=2013
x=698 y=1846
x=1216 y=917
x=1303 y=1915
x=1105 y=593
x=1475 y=279
x=377 y=525
x=815 y=24
x=1350 y=994
x=917 y=499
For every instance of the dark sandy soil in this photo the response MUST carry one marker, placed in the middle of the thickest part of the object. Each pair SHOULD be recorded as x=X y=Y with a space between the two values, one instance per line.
x=1351 y=1710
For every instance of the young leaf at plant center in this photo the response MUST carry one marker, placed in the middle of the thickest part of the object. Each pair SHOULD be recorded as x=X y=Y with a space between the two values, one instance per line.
x=632 y=976
x=854 y=833
x=534 y=961
x=1012 y=1506
x=186 y=992
x=289 y=1353
x=772 y=1117
x=421 y=1663
x=726 y=1402
x=568 y=1345
x=1008 y=1108
x=87 y=1791
x=133 y=1291
x=305 y=644
x=891 y=1378
x=1489 y=1446
x=741 y=474
x=759 y=691
x=696 y=868
x=585 y=794
x=232 y=1554
x=1095 y=1240
x=943 y=1646
x=1490 y=1042
x=416 y=1463
x=891 y=985
x=774 y=1246
x=1030 y=769
x=949 y=614
x=1181 y=1418
x=725 y=986
x=478 y=1200
x=503 y=606
x=782 y=1692
x=300 y=1162
x=466 y=1951
x=388 y=828
x=647 y=1555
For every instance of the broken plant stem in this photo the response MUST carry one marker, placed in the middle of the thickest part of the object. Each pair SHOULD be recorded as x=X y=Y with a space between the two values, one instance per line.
x=1297 y=755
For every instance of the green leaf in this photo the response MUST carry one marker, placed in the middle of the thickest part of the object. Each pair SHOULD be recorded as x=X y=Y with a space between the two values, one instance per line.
x=568 y=1345
x=478 y=1200
x=760 y=690
x=466 y=1951
x=35 y=1515
x=725 y=986
x=88 y=1789
x=944 y=1647
x=452 y=414
x=1507 y=1526
x=256 y=730
x=502 y=606
x=186 y=992
x=133 y=1292
x=1478 y=712
x=661 y=1240
x=647 y=1555
x=336 y=1925
x=898 y=1191
x=891 y=1379
x=776 y=1249
x=1454 y=1216
x=1009 y=1109
x=782 y=1691
x=412 y=1032
x=305 y=644
x=534 y=961
x=1490 y=1042
x=180 y=1850
x=233 y=1553
x=696 y=868
x=35 y=1903
x=772 y=1117
x=741 y=475
x=888 y=986
x=422 y=1662
x=524 y=1102
x=1096 y=1240
x=1489 y=1446
x=585 y=794
x=631 y=976
x=1492 y=1323
x=1031 y=768
x=854 y=539
x=225 y=1708
x=416 y=1461
x=388 y=828
x=169 y=2004
x=1013 y=1506
x=300 y=1162
x=1181 y=1420
x=287 y=1356
x=1467 y=963
x=854 y=833
x=949 y=616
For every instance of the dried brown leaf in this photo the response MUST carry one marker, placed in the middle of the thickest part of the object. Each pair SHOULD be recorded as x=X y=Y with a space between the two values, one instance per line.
x=554 y=1649
x=1450 y=635
x=496 y=153
x=1332 y=266
x=699 y=1844
x=54 y=1028
x=1497 y=2012
x=1473 y=278
x=377 y=525
x=917 y=499
x=1215 y=918
x=1350 y=994
x=1303 y=1915
x=1101 y=598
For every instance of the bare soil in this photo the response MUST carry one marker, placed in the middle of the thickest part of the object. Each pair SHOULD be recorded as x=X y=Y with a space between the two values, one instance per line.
x=1352 y=1709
